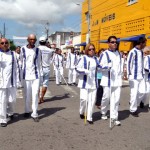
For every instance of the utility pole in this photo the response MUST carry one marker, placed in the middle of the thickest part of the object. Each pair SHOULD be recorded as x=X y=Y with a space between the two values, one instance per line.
x=89 y=17
x=4 y=33
x=47 y=29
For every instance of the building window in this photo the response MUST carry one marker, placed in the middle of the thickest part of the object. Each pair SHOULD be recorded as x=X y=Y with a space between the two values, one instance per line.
x=130 y=2
x=87 y=16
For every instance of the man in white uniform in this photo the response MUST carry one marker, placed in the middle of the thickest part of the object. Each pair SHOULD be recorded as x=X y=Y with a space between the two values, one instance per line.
x=19 y=78
x=8 y=67
x=70 y=64
x=110 y=62
x=31 y=69
x=58 y=63
x=135 y=73
x=46 y=53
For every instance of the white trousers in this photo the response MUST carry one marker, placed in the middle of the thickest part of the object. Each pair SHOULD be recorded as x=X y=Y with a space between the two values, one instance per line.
x=135 y=96
x=88 y=96
x=31 y=91
x=7 y=102
x=115 y=98
x=147 y=96
x=72 y=76
x=58 y=73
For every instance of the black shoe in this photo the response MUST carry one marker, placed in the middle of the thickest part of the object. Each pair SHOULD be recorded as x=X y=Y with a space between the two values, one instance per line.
x=134 y=114
x=90 y=122
x=36 y=119
x=75 y=84
x=69 y=84
x=141 y=105
x=11 y=117
x=82 y=116
x=26 y=115
x=3 y=124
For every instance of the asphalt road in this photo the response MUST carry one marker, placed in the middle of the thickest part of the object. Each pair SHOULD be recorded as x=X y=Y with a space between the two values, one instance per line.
x=60 y=127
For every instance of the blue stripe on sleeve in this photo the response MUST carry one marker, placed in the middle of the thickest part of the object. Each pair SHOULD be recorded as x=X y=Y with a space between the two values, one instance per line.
x=130 y=58
x=24 y=56
x=35 y=62
x=136 y=65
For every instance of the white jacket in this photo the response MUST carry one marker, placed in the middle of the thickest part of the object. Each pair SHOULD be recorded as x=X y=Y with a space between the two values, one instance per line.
x=135 y=63
x=31 y=63
x=58 y=60
x=8 y=69
x=72 y=60
x=87 y=69
x=110 y=63
x=147 y=67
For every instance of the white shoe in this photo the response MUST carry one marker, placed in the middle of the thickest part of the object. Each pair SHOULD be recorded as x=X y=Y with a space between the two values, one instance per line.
x=104 y=117
x=117 y=123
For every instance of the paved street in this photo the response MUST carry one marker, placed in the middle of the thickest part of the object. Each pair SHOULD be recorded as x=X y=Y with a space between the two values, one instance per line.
x=61 y=128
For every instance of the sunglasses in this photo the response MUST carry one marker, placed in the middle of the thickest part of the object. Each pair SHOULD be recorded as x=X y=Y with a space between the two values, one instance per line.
x=2 y=43
x=113 y=42
x=32 y=39
x=90 y=49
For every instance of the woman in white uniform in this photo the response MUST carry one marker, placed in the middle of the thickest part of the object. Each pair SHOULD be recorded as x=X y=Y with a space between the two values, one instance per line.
x=87 y=69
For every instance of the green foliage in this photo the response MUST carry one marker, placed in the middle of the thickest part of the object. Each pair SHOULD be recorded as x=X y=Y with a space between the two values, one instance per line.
x=12 y=45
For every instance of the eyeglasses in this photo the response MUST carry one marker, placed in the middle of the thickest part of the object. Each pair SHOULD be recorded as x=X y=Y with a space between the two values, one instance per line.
x=91 y=49
x=113 y=42
x=32 y=39
x=2 y=43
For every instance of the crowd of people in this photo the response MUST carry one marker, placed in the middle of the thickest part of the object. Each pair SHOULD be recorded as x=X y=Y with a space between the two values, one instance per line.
x=99 y=77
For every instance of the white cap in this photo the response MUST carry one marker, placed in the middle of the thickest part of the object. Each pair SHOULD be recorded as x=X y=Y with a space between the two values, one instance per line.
x=42 y=39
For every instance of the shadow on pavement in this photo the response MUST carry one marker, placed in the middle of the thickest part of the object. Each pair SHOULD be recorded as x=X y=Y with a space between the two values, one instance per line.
x=43 y=113
x=58 y=97
x=123 y=114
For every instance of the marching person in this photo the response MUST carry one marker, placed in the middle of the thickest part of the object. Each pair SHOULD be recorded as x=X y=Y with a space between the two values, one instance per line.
x=8 y=68
x=58 y=63
x=87 y=69
x=46 y=53
x=70 y=64
x=99 y=93
x=147 y=75
x=135 y=73
x=110 y=62
x=19 y=78
x=31 y=69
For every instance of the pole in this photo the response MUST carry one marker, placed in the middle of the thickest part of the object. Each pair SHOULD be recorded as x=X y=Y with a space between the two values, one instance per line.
x=4 y=33
x=89 y=14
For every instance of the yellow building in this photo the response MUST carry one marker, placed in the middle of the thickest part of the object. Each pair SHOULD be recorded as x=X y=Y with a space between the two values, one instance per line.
x=126 y=19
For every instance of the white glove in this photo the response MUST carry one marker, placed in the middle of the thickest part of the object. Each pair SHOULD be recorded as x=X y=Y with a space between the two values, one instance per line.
x=87 y=72
x=109 y=65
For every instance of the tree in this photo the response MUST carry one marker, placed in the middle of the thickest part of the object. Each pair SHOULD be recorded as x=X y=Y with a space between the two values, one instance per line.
x=12 y=45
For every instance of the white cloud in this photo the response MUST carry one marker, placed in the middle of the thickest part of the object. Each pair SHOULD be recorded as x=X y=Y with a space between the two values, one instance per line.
x=31 y=12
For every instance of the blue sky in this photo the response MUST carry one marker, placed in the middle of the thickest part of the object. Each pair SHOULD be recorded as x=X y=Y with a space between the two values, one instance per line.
x=22 y=17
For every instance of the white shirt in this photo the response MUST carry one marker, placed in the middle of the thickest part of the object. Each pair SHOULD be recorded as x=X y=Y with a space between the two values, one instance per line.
x=46 y=55
x=135 y=62
x=31 y=63
x=58 y=60
x=8 y=69
x=71 y=60
x=112 y=77
x=86 y=68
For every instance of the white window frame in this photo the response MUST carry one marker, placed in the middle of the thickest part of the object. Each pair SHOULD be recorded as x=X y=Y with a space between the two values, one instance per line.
x=130 y=2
